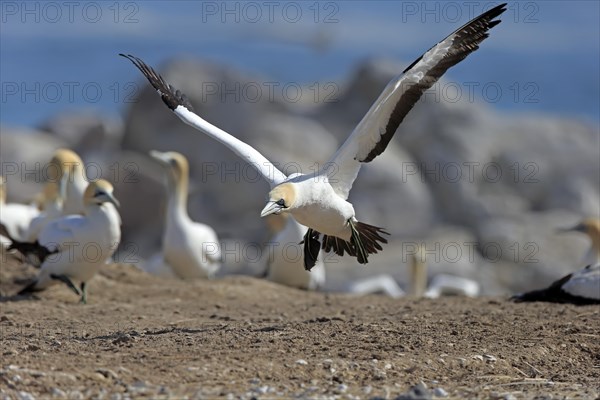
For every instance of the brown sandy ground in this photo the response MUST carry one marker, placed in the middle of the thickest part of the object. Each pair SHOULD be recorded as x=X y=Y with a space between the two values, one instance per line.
x=239 y=337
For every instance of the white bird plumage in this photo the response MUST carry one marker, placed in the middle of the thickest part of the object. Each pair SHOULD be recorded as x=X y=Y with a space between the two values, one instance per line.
x=318 y=200
x=51 y=209
x=15 y=217
x=75 y=247
x=190 y=249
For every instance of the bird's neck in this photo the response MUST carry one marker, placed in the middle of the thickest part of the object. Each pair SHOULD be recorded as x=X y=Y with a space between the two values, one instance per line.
x=74 y=188
x=595 y=249
x=177 y=199
x=418 y=275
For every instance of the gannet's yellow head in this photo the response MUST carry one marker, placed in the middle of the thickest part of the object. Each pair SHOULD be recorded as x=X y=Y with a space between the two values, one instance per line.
x=99 y=192
x=177 y=168
x=281 y=199
x=176 y=163
x=589 y=226
x=63 y=160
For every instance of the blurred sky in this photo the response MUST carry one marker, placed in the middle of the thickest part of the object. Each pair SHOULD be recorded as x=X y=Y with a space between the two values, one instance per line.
x=58 y=56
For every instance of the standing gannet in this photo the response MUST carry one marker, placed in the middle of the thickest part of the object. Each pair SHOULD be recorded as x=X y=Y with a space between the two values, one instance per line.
x=319 y=200
x=67 y=162
x=14 y=216
x=74 y=247
x=441 y=284
x=191 y=249
x=51 y=208
x=581 y=287
x=284 y=256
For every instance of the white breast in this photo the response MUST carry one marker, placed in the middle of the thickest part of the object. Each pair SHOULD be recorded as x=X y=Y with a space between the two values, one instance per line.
x=584 y=283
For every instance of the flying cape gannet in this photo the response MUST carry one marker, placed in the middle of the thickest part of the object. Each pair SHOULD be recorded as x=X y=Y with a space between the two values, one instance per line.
x=74 y=247
x=319 y=200
x=191 y=249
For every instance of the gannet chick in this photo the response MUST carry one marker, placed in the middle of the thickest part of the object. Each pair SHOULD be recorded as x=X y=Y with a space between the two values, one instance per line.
x=285 y=257
x=73 y=248
x=191 y=249
x=67 y=162
x=319 y=200
x=14 y=216
x=581 y=287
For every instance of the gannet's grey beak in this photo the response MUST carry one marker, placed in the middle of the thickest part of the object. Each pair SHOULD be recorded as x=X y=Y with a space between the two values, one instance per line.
x=271 y=208
x=576 y=228
x=110 y=198
x=158 y=156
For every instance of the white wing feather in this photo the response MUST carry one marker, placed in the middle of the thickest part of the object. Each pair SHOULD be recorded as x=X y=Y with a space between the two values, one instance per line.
x=376 y=129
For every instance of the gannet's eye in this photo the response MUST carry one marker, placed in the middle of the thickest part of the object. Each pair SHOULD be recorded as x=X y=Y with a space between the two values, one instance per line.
x=281 y=203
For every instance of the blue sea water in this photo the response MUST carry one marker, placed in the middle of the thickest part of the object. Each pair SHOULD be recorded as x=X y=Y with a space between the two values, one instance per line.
x=58 y=56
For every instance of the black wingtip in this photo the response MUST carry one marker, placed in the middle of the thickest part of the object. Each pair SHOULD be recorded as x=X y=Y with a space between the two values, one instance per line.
x=4 y=232
x=487 y=18
x=172 y=97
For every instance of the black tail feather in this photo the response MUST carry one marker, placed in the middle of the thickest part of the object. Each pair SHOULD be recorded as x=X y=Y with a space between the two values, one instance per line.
x=366 y=239
x=311 y=248
x=34 y=252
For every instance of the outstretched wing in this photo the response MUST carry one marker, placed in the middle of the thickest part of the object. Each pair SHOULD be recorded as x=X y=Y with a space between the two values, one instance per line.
x=181 y=106
x=372 y=135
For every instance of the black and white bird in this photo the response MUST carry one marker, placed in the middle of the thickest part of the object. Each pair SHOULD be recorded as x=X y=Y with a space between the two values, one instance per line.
x=74 y=247
x=319 y=200
x=581 y=287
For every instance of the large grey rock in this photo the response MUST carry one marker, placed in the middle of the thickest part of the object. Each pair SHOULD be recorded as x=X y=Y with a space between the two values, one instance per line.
x=85 y=132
